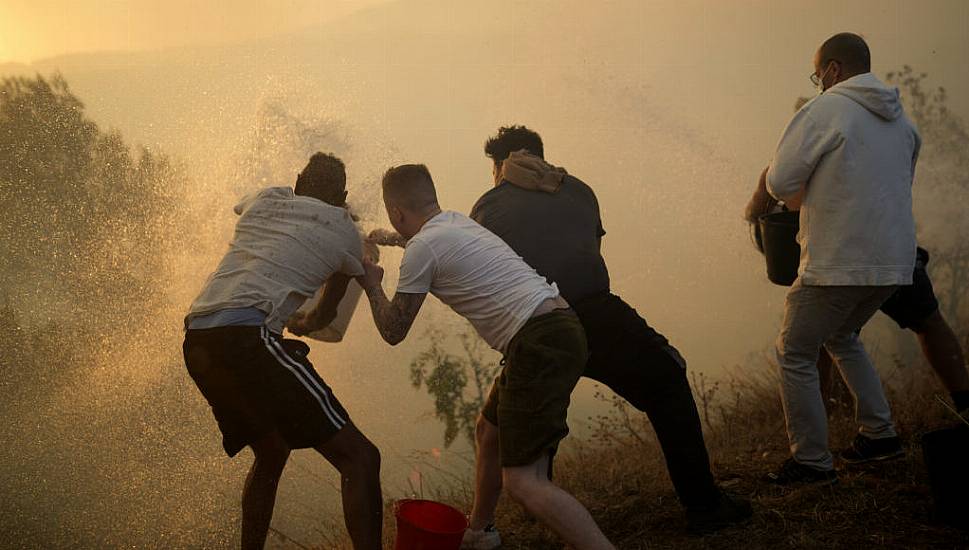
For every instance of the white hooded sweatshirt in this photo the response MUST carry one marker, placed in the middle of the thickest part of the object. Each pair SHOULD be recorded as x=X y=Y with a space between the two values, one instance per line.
x=855 y=150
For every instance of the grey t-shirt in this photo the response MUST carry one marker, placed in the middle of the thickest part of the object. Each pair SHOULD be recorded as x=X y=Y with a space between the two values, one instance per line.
x=284 y=248
x=556 y=233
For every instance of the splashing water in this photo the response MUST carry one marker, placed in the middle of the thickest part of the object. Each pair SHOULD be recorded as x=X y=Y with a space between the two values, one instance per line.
x=120 y=449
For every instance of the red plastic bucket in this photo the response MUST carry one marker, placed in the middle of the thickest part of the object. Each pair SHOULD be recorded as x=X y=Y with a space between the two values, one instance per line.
x=428 y=525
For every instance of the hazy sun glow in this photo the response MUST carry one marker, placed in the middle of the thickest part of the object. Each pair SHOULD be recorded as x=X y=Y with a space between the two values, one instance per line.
x=32 y=30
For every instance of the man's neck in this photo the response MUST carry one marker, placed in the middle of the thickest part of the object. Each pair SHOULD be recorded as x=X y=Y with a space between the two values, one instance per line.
x=426 y=216
x=847 y=76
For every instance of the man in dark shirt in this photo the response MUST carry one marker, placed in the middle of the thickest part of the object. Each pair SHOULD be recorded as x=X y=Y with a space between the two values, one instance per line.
x=552 y=220
x=557 y=235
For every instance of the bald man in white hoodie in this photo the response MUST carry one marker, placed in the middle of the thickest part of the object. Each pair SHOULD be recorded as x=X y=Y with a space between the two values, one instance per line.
x=847 y=160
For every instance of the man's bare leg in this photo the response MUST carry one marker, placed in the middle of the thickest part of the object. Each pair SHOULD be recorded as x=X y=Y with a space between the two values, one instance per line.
x=487 y=474
x=259 y=494
x=529 y=486
x=941 y=348
x=358 y=461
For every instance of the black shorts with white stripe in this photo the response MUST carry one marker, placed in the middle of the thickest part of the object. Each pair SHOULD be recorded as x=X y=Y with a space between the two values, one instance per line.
x=257 y=382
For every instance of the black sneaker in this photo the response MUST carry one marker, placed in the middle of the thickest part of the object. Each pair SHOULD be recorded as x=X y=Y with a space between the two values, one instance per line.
x=866 y=449
x=792 y=472
x=730 y=510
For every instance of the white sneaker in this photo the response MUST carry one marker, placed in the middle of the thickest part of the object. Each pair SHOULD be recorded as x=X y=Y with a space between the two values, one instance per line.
x=483 y=539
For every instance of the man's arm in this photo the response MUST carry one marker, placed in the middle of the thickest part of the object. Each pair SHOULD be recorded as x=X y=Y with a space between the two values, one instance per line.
x=393 y=318
x=325 y=310
x=794 y=202
x=804 y=143
x=760 y=202
x=385 y=237
x=600 y=231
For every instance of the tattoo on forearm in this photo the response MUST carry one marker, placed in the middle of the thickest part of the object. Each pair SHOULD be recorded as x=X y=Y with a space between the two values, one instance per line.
x=394 y=319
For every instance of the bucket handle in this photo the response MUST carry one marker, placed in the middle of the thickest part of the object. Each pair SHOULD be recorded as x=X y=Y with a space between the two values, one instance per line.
x=953 y=411
x=420 y=486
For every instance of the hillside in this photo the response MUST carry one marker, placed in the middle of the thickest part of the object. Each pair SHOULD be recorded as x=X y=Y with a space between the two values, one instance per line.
x=620 y=477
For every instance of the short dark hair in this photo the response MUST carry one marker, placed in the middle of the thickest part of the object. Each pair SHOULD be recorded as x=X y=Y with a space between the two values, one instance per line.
x=513 y=138
x=324 y=178
x=410 y=186
x=850 y=50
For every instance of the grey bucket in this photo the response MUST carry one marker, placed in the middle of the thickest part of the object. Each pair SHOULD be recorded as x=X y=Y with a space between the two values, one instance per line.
x=778 y=232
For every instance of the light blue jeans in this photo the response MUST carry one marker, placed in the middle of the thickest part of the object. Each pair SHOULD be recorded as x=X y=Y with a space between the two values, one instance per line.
x=828 y=316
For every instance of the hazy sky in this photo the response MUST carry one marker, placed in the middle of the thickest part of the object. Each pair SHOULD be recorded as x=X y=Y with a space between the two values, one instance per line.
x=651 y=100
x=36 y=29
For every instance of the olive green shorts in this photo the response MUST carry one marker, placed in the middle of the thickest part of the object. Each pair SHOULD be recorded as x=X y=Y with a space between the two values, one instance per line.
x=530 y=396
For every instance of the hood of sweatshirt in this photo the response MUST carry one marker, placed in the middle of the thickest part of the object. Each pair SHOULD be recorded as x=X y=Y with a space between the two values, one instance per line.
x=871 y=93
x=528 y=171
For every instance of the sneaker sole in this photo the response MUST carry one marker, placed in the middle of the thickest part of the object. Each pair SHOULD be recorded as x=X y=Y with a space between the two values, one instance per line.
x=881 y=458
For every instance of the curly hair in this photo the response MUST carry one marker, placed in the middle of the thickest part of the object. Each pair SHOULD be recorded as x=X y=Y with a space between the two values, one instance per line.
x=513 y=138
x=324 y=178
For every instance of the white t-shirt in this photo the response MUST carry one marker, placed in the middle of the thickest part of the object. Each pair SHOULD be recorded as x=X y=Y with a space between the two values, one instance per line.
x=475 y=273
x=285 y=247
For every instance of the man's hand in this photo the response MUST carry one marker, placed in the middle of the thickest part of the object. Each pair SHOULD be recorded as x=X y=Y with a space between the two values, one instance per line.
x=301 y=324
x=386 y=237
x=794 y=203
x=760 y=202
x=373 y=275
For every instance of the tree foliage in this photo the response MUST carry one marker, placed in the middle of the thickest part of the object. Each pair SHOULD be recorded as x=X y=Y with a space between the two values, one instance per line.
x=81 y=217
x=941 y=188
x=446 y=377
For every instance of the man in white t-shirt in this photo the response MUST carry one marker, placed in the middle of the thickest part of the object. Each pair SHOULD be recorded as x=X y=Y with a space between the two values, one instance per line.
x=518 y=313
x=264 y=392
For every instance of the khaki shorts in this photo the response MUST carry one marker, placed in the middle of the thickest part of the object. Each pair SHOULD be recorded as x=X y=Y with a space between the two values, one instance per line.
x=530 y=397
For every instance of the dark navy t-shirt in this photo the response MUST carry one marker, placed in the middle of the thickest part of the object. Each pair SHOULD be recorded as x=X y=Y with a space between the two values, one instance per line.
x=556 y=233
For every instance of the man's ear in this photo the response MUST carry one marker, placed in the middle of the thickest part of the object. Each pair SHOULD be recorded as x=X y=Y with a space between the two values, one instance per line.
x=837 y=71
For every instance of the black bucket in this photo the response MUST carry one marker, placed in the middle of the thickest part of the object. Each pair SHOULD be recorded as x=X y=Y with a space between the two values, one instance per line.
x=946 y=454
x=778 y=232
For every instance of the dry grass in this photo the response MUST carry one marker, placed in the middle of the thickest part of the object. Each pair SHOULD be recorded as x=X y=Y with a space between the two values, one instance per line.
x=620 y=476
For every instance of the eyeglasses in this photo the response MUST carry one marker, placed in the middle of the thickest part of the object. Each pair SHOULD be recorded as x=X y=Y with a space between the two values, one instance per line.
x=815 y=79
